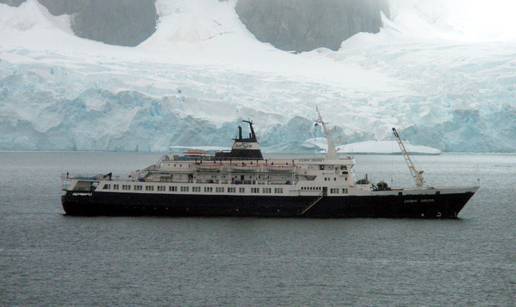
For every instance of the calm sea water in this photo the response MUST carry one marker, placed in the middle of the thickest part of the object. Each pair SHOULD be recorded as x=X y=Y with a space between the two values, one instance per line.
x=47 y=258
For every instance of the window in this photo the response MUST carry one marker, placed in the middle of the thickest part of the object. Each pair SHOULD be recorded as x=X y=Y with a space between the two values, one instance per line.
x=107 y=187
x=137 y=187
x=231 y=190
x=278 y=190
x=208 y=189
x=219 y=190
x=255 y=190
x=115 y=187
x=345 y=191
x=126 y=187
x=161 y=188
x=172 y=188
x=334 y=191
x=266 y=190
x=149 y=188
x=184 y=189
x=196 y=189
x=241 y=190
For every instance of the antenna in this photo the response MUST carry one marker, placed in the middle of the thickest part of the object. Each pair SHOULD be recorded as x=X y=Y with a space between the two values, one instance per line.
x=331 y=153
x=416 y=174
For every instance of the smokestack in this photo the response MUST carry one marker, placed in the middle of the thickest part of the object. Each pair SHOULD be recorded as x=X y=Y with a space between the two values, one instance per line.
x=239 y=132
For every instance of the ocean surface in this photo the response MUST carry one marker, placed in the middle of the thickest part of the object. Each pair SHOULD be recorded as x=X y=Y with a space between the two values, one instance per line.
x=47 y=258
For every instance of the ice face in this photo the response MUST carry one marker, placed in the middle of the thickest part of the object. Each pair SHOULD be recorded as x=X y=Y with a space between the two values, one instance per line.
x=58 y=91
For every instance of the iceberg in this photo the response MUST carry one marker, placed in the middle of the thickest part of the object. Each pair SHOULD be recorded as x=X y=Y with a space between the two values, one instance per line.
x=370 y=147
x=385 y=148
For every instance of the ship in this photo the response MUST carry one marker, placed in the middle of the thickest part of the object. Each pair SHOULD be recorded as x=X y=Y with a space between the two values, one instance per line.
x=241 y=182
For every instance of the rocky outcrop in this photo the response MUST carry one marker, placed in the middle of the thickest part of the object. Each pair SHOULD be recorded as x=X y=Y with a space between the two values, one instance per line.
x=12 y=2
x=292 y=25
x=303 y=25
x=115 y=22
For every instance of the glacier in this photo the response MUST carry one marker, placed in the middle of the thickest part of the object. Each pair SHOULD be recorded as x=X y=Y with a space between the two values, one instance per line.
x=202 y=71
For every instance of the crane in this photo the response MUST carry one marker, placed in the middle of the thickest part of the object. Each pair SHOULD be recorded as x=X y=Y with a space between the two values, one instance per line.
x=416 y=174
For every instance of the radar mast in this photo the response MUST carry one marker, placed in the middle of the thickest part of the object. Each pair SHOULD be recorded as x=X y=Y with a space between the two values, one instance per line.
x=331 y=153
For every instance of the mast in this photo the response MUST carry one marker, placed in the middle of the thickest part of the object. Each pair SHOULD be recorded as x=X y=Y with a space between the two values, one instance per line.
x=331 y=153
x=252 y=135
x=416 y=174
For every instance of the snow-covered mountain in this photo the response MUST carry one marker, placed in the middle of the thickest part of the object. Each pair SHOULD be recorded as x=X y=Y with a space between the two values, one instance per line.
x=202 y=70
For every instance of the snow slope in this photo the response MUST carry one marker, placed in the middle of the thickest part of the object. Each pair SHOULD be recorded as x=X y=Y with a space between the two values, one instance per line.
x=58 y=91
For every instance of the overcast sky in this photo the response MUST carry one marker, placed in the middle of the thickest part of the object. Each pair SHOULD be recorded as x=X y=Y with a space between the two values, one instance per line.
x=476 y=19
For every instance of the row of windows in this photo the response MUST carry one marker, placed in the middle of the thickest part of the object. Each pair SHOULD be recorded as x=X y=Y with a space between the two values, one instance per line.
x=337 y=191
x=311 y=188
x=331 y=167
x=194 y=189
x=332 y=191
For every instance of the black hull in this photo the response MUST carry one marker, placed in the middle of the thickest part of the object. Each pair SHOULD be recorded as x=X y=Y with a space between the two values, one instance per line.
x=392 y=206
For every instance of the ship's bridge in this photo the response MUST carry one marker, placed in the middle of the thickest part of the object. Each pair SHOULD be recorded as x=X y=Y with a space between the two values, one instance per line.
x=243 y=148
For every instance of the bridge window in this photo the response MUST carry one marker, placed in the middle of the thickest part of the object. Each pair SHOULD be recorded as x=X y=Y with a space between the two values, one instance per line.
x=137 y=187
x=219 y=190
x=107 y=187
x=208 y=189
x=345 y=191
x=255 y=190
x=115 y=187
x=172 y=188
x=149 y=188
x=231 y=190
x=278 y=190
x=196 y=189
x=161 y=188
x=184 y=189
x=267 y=190
x=126 y=187
x=241 y=190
